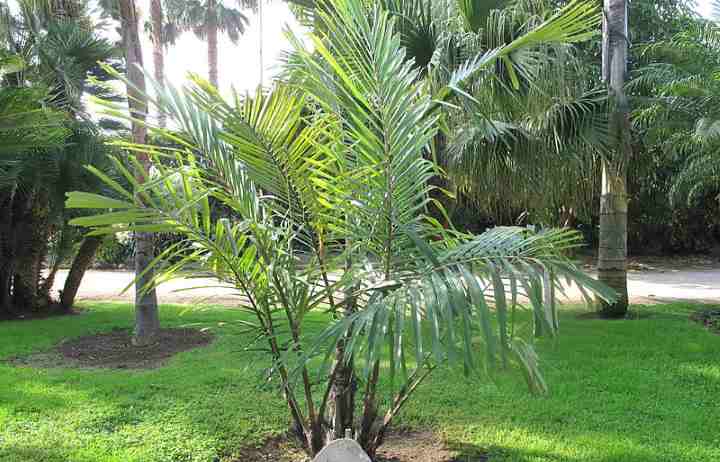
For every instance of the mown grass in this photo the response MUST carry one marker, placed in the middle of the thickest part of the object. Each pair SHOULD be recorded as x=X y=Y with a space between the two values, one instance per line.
x=640 y=390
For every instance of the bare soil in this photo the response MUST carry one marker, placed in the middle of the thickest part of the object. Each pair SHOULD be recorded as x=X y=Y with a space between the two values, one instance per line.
x=401 y=445
x=114 y=350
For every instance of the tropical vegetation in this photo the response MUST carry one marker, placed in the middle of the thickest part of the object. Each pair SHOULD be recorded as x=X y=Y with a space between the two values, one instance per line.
x=48 y=53
x=407 y=196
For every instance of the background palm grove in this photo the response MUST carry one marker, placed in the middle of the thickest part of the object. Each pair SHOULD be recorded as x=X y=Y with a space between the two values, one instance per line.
x=407 y=198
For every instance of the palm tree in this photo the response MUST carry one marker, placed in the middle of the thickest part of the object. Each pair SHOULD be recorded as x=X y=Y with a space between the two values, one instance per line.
x=208 y=18
x=156 y=16
x=680 y=110
x=515 y=147
x=25 y=126
x=59 y=46
x=327 y=185
x=147 y=321
x=612 y=250
x=163 y=33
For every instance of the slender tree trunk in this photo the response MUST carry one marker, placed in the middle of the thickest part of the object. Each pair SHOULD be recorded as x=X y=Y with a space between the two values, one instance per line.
x=612 y=251
x=147 y=321
x=147 y=318
x=212 y=41
x=82 y=261
x=156 y=15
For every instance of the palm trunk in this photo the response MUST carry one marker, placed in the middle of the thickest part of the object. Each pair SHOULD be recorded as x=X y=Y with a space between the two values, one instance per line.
x=612 y=251
x=212 y=39
x=5 y=295
x=341 y=412
x=156 y=15
x=344 y=387
x=81 y=263
x=7 y=254
x=147 y=321
x=31 y=214
x=49 y=281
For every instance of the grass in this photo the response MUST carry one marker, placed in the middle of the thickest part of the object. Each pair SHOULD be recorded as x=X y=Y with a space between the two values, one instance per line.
x=641 y=390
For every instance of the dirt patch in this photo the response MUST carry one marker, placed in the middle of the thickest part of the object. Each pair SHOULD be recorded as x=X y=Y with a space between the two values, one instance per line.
x=422 y=446
x=709 y=318
x=401 y=445
x=114 y=350
x=280 y=448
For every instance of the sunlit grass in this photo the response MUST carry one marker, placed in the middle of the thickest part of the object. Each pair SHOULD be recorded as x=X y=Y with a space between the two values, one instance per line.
x=641 y=390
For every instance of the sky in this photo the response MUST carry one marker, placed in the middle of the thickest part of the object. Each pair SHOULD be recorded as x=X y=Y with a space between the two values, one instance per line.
x=704 y=7
x=239 y=65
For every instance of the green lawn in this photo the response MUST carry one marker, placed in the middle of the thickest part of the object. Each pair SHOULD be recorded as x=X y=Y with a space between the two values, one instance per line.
x=642 y=390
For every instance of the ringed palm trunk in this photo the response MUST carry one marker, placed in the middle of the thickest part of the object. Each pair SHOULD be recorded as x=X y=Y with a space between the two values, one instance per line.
x=147 y=322
x=82 y=261
x=612 y=251
x=156 y=16
x=212 y=39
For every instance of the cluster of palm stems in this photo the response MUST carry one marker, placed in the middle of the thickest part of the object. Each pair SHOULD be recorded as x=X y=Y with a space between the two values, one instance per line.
x=48 y=49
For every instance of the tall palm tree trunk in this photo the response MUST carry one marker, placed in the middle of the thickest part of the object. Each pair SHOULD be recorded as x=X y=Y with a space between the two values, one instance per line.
x=147 y=322
x=156 y=16
x=82 y=261
x=612 y=251
x=212 y=41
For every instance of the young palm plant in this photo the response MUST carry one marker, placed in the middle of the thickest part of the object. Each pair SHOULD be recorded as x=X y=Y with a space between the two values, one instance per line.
x=324 y=188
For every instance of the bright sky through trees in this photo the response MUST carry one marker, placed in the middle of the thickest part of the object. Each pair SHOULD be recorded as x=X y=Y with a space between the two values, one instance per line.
x=239 y=64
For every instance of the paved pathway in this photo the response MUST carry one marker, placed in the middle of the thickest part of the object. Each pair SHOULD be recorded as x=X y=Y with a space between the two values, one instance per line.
x=654 y=285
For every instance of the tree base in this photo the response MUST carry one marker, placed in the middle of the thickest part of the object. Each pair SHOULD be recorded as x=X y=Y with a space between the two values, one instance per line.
x=616 y=310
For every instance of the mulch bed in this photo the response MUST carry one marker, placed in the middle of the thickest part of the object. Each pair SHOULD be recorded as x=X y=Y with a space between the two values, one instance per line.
x=114 y=350
x=708 y=318
x=401 y=445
